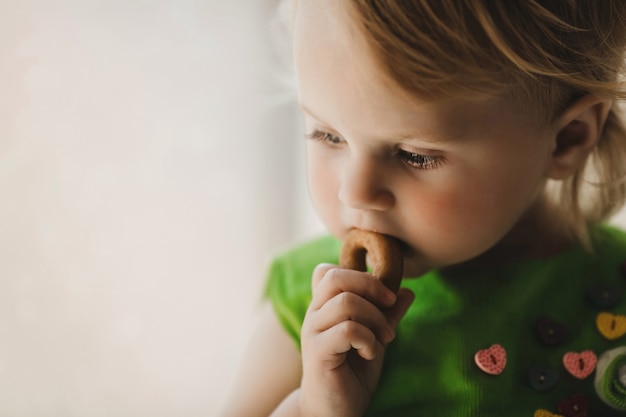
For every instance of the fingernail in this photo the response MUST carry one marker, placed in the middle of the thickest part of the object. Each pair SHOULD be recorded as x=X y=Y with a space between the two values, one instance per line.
x=324 y=266
x=390 y=297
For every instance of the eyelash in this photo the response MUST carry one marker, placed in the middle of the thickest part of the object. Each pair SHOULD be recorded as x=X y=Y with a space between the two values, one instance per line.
x=411 y=159
x=419 y=161
x=324 y=137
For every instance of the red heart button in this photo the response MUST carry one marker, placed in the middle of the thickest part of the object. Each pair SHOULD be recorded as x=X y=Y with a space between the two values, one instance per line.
x=575 y=406
x=491 y=360
x=580 y=365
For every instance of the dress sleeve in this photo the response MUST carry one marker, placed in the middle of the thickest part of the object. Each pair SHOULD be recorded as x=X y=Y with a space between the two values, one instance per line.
x=288 y=284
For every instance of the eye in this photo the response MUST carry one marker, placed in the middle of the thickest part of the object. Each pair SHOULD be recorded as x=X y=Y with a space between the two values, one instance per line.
x=419 y=161
x=325 y=137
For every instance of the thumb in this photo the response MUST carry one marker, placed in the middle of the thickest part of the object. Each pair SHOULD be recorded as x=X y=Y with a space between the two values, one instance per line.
x=399 y=309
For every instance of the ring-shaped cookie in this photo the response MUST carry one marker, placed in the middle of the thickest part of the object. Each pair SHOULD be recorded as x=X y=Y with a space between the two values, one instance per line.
x=385 y=254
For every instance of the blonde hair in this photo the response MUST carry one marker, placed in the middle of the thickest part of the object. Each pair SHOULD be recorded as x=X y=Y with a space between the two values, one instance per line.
x=543 y=53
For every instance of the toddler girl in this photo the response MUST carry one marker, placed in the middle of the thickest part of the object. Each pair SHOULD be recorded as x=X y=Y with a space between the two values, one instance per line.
x=485 y=136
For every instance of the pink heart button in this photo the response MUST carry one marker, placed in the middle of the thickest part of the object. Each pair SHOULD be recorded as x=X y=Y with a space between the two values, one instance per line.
x=491 y=360
x=580 y=364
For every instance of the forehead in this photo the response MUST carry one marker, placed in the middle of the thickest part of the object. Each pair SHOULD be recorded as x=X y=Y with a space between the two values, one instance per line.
x=332 y=61
x=321 y=15
x=329 y=49
x=342 y=87
x=325 y=36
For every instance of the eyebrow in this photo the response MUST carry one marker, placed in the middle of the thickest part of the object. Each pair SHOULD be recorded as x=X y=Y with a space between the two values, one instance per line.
x=308 y=111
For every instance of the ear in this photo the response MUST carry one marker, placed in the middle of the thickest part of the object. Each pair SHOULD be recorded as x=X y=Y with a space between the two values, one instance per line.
x=578 y=129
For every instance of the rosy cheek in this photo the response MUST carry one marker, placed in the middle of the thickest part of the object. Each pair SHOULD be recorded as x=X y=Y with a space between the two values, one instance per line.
x=442 y=214
x=449 y=220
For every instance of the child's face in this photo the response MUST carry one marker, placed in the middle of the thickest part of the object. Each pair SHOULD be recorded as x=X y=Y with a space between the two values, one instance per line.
x=450 y=179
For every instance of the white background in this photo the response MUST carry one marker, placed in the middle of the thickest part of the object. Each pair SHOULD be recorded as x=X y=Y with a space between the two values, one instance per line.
x=149 y=166
x=147 y=172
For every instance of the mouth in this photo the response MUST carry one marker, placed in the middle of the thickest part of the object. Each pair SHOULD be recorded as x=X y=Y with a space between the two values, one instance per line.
x=413 y=263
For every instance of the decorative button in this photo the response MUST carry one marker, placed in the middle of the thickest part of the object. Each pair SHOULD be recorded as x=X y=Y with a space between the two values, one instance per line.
x=491 y=360
x=544 y=413
x=575 y=406
x=542 y=378
x=580 y=365
x=550 y=332
x=611 y=326
x=605 y=295
x=610 y=382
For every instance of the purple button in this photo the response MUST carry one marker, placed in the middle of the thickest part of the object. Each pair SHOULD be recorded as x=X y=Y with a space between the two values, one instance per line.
x=550 y=332
x=575 y=406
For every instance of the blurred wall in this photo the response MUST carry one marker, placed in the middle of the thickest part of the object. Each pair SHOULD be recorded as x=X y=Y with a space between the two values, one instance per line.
x=146 y=176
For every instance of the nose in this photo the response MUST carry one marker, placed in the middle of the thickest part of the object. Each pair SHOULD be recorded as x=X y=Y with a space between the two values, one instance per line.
x=364 y=185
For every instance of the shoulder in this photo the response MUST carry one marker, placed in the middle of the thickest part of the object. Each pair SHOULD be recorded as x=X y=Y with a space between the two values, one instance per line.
x=609 y=248
x=302 y=258
x=609 y=238
x=288 y=285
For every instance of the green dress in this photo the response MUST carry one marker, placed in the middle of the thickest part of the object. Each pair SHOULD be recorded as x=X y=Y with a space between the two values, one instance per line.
x=539 y=312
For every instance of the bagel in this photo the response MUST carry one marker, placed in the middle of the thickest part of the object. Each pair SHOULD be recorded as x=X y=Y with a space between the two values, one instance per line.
x=385 y=254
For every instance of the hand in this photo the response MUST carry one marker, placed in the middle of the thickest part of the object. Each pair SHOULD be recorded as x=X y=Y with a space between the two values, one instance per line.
x=347 y=327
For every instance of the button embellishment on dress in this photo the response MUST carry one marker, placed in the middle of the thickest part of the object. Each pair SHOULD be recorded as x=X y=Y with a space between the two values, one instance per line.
x=580 y=365
x=550 y=332
x=610 y=381
x=575 y=406
x=491 y=360
x=611 y=326
x=605 y=295
x=542 y=378
x=544 y=413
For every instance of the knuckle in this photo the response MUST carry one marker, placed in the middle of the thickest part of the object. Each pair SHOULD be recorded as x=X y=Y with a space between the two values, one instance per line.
x=348 y=329
x=330 y=275
x=347 y=301
x=322 y=270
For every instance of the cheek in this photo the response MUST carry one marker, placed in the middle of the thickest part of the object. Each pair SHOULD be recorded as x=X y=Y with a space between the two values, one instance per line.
x=467 y=216
x=447 y=215
x=497 y=188
x=455 y=227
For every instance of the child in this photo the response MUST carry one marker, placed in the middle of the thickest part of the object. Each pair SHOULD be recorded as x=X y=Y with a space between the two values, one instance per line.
x=485 y=136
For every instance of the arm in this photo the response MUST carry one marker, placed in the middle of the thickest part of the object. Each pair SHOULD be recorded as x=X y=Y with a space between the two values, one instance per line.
x=344 y=335
x=270 y=369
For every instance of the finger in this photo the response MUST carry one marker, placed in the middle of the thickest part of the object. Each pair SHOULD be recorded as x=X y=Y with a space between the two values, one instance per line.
x=319 y=272
x=348 y=306
x=336 y=342
x=338 y=280
x=399 y=309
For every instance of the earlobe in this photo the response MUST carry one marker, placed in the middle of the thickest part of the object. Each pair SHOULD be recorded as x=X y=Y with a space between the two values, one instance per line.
x=577 y=131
